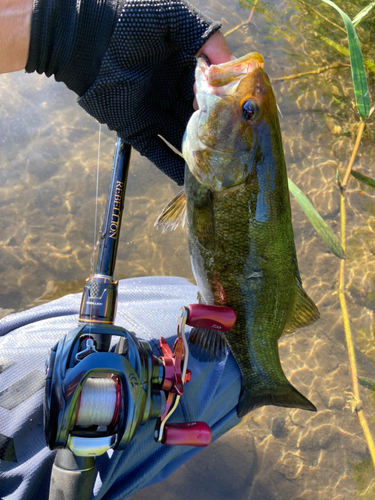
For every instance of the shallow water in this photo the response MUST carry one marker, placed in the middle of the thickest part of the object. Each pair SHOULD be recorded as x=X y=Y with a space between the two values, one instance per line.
x=48 y=160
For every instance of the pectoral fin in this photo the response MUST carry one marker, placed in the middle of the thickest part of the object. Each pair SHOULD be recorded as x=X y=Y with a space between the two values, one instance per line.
x=304 y=311
x=207 y=345
x=173 y=214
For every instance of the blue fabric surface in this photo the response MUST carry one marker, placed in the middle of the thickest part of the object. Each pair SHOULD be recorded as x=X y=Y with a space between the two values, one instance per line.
x=147 y=307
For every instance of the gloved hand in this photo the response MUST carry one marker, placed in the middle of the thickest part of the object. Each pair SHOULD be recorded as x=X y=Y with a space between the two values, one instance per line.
x=130 y=61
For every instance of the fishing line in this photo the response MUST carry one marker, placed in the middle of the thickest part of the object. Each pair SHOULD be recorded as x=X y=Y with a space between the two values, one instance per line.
x=96 y=213
x=96 y=200
x=98 y=402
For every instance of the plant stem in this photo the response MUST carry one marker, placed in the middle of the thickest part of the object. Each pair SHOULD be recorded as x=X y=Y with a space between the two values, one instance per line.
x=354 y=154
x=312 y=72
x=244 y=23
x=323 y=17
x=345 y=316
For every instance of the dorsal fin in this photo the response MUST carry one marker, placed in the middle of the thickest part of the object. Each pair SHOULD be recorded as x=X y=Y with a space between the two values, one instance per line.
x=173 y=214
x=304 y=311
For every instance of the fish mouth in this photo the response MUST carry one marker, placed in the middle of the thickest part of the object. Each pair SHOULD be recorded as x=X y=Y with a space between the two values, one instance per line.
x=220 y=75
x=205 y=59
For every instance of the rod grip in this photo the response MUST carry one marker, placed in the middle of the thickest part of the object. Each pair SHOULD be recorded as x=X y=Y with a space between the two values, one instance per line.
x=72 y=477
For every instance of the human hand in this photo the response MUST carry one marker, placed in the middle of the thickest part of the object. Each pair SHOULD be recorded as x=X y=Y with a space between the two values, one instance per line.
x=132 y=63
x=146 y=91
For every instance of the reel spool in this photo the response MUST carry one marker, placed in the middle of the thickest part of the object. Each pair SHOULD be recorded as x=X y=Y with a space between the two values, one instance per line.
x=99 y=402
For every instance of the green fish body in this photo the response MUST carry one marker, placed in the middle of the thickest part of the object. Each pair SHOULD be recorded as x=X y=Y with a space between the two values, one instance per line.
x=239 y=228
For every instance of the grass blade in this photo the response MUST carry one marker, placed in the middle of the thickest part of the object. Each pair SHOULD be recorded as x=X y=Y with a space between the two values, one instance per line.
x=343 y=50
x=367 y=382
x=363 y=13
x=363 y=178
x=316 y=220
x=356 y=60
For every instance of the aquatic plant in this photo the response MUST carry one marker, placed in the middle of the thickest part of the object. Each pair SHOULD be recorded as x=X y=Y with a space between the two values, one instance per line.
x=365 y=111
x=362 y=98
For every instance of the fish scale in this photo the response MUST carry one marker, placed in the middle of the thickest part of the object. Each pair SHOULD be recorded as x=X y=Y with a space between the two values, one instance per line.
x=230 y=260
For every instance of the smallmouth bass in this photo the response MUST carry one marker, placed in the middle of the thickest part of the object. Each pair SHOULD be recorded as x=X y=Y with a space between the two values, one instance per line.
x=239 y=228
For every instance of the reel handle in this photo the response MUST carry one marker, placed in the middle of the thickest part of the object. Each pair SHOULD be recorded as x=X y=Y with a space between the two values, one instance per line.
x=220 y=318
x=196 y=434
x=200 y=316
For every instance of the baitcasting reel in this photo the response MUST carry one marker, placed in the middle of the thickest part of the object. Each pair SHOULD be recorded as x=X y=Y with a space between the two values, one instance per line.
x=96 y=400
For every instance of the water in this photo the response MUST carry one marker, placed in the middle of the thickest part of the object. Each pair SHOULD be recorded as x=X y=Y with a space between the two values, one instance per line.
x=47 y=199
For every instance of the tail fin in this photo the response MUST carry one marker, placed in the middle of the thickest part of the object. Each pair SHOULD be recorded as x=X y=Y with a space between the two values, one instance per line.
x=286 y=395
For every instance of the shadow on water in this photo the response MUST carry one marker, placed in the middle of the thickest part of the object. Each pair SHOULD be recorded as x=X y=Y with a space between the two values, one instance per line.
x=47 y=198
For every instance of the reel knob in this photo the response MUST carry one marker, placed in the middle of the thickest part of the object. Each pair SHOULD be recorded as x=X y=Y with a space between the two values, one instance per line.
x=220 y=318
x=189 y=434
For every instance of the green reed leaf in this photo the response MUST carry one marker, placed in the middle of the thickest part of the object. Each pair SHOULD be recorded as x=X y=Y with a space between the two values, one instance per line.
x=338 y=179
x=317 y=222
x=337 y=46
x=362 y=14
x=343 y=50
x=367 y=382
x=356 y=61
x=363 y=178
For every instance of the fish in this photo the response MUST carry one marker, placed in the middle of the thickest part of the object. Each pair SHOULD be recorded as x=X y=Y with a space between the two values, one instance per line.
x=237 y=212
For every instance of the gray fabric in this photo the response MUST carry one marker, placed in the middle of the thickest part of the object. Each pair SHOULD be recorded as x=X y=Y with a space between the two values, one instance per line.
x=148 y=307
x=22 y=389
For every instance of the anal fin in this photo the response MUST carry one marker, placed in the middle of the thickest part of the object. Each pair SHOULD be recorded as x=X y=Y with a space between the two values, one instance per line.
x=303 y=313
x=207 y=345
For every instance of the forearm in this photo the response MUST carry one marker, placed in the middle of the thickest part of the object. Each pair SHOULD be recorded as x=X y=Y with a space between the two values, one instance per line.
x=15 y=26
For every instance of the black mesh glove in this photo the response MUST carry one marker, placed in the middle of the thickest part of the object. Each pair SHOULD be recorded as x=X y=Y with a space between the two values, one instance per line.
x=130 y=61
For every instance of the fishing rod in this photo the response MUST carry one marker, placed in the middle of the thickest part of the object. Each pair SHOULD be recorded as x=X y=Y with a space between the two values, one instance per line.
x=96 y=397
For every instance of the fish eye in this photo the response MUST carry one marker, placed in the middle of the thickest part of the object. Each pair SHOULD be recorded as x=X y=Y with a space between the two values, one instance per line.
x=250 y=110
